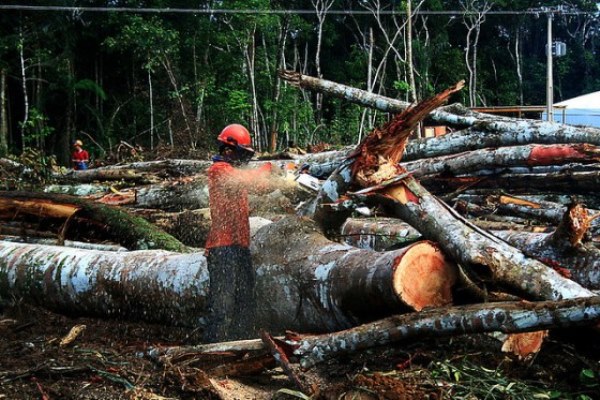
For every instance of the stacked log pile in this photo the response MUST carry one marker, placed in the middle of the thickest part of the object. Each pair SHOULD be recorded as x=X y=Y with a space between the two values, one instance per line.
x=497 y=209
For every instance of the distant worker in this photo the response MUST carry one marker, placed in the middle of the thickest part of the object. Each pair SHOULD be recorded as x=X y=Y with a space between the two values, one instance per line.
x=80 y=157
x=231 y=297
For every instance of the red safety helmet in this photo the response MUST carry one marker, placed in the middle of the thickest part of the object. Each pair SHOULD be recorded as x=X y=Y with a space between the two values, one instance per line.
x=236 y=135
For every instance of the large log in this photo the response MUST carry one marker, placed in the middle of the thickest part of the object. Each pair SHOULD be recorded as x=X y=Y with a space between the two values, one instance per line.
x=462 y=117
x=507 y=317
x=529 y=155
x=325 y=283
x=143 y=171
x=150 y=285
x=568 y=181
x=314 y=286
x=129 y=231
x=498 y=134
x=511 y=317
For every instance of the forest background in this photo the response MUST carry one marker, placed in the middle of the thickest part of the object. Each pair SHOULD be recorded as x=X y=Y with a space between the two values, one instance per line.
x=169 y=74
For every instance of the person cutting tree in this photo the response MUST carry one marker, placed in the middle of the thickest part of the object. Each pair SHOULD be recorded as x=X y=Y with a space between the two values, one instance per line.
x=231 y=298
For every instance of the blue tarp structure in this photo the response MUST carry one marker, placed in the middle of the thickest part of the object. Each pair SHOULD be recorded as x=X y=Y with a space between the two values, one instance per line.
x=581 y=110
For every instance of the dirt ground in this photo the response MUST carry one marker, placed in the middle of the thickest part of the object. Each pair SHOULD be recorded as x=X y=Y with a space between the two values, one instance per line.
x=106 y=362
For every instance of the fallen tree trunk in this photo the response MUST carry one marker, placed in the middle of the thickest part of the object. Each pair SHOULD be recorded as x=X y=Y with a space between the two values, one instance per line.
x=325 y=285
x=462 y=117
x=579 y=263
x=484 y=130
x=155 y=286
x=129 y=231
x=159 y=169
x=569 y=182
x=81 y=189
x=103 y=175
x=497 y=134
x=527 y=155
x=191 y=193
x=473 y=248
x=510 y=317
x=381 y=234
x=67 y=243
x=545 y=212
x=314 y=286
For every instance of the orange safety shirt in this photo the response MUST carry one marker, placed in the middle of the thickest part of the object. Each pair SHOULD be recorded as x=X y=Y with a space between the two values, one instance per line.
x=228 y=200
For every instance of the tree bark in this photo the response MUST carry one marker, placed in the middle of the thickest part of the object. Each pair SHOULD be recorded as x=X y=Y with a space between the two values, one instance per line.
x=314 y=286
x=530 y=155
x=510 y=317
x=581 y=263
x=323 y=282
x=475 y=249
x=569 y=180
x=131 y=232
x=379 y=234
x=150 y=285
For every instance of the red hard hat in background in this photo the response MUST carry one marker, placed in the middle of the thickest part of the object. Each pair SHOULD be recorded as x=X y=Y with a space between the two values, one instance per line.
x=236 y=135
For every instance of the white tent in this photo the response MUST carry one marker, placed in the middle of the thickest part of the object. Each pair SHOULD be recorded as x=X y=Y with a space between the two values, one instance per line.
x=581 y=110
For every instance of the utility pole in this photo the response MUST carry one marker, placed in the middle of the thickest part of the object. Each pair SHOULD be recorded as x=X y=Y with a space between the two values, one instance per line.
x=549 y=73
x=552 y=49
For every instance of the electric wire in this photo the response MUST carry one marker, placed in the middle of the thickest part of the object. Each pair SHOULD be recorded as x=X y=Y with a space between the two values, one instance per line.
x=212 y=11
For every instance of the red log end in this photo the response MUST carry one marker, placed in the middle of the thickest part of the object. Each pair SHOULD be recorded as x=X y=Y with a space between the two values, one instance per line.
x=524 y=345
x=423 y=277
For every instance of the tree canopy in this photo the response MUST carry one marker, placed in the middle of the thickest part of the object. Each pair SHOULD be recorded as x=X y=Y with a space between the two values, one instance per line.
x=172 y=73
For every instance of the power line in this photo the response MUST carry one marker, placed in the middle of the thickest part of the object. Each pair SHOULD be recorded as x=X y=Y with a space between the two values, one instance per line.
x=210 y=11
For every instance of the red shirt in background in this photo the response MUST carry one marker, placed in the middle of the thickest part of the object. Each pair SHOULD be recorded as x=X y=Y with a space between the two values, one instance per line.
x=228 y=198
x=80 y=156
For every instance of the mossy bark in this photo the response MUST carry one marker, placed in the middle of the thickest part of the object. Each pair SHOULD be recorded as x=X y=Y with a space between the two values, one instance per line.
x=129 y=231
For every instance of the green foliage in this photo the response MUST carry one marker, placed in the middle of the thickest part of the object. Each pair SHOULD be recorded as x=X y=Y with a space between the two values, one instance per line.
x=91 y=86
x=92 y=71
x=466 y=380
x=40 y=165
x=401 y=86
x=36 y=127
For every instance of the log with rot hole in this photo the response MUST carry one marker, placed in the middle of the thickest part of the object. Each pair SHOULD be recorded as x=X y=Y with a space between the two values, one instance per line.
x=315 y=286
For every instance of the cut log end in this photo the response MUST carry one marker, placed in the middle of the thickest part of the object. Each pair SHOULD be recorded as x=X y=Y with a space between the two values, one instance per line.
x=524 y=345
x=423 y=277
